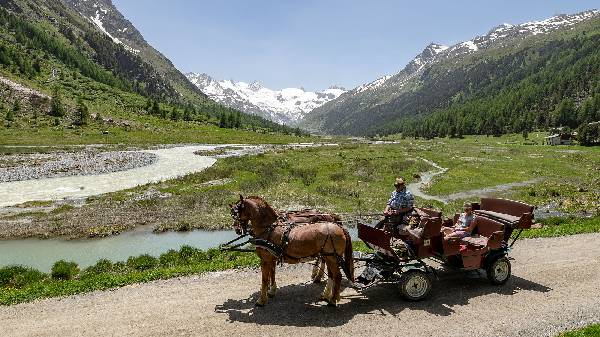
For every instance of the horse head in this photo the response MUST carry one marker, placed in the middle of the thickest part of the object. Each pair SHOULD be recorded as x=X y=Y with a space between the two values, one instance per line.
x=240 y=213
x=252 y=210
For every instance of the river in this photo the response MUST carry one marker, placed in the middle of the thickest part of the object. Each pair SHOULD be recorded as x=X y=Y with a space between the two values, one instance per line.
x=172 y=162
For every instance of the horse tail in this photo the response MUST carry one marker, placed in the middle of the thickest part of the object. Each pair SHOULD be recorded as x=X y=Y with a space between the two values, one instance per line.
x=348 y=256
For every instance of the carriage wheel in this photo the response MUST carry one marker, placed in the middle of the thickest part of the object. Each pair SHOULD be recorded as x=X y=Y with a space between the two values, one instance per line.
x=498 y=272
x=414 y=285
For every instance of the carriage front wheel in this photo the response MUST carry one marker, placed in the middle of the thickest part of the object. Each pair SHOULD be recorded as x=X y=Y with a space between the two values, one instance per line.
x=414 y=285
x=498 y=272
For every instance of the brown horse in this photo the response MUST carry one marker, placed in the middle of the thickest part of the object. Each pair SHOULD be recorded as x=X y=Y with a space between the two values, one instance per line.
x=293 y=243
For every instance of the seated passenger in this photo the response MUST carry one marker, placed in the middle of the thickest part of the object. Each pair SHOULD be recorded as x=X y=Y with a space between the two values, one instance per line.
x=463 y=226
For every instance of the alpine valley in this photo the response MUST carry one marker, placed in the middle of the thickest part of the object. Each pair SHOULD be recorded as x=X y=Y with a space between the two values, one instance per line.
x=514 y=78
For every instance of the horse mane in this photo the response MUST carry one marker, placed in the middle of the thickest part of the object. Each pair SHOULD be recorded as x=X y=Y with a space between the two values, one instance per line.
x=264 y=208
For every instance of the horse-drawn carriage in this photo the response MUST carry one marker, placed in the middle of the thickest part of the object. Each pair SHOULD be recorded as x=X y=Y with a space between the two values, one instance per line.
x=399 y=257
x=487 y=248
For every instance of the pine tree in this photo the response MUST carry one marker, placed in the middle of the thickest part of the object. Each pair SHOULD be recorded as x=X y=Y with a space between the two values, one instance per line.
x=16 y=107
x=149 y=106
x=155 y=109
x=83 y=113
x=237 y=121
x=10 y=115
x=222 y=120
x=175 y=114
x=187 y=114
x=56 y=106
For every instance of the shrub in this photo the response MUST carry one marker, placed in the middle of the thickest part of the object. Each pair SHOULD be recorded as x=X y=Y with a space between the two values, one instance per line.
x=64 y=270
x=337 y=176
x=169 y=259
x=555 y=221
x=190 y=254
x=142 y=262
x=19 y=276
x=306 y=175
x=102 y=266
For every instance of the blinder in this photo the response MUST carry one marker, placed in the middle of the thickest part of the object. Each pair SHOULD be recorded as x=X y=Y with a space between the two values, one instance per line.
x=240 y=225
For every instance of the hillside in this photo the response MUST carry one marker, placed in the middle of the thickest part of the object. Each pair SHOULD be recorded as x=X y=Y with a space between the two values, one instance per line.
x=285 y=106
x=514 y=78
x=77 y=75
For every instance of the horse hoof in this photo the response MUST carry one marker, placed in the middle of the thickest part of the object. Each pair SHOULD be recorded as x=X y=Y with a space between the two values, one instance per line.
x=259 y=305
x=331 y=304
x=271 y=295
x=317 y=280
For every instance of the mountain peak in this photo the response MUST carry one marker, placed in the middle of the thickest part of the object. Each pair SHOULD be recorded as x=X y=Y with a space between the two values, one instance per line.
x=255 y=86
x=285 y=106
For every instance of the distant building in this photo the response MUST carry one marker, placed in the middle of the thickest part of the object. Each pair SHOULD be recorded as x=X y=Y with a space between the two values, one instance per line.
x=560 y=139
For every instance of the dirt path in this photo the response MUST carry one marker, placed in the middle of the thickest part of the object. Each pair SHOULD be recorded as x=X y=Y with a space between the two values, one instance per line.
x=554 y=287
x=427 y=177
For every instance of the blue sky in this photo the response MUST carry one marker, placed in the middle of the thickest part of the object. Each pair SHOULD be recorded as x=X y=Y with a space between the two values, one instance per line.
x=317 y=43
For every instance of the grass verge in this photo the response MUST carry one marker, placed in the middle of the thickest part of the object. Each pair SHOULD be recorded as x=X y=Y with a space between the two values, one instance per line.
x=554 y=227
x=21 y=284
x=589 y=331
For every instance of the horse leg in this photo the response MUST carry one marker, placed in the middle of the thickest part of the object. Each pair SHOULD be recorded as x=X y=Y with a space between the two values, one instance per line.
x=337 y=286
x=331 y=264
x=273 y=287
x=331 y=294
x=265 y=268
x=318 y=270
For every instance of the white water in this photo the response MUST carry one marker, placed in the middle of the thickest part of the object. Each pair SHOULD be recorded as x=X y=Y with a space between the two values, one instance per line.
x=172 y=162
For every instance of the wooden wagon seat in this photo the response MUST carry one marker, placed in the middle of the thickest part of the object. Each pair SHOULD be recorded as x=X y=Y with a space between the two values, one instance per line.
x=487 y=233
x=428 y=228
x=509 y=212
x=421 y=237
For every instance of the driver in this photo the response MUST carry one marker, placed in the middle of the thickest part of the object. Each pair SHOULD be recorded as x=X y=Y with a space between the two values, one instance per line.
x=400 y=205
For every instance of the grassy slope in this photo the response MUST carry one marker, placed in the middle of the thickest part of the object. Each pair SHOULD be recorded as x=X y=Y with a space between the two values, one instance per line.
x=123 y=114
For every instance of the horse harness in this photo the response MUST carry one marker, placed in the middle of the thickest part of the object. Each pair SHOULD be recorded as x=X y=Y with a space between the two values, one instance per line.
x=280 y=251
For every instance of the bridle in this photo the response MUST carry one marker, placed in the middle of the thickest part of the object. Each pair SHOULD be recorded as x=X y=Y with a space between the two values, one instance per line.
x=240 y=225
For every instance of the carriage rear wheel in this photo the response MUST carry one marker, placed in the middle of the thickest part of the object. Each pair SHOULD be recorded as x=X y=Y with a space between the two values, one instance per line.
x=498 y=272
x=414 y=285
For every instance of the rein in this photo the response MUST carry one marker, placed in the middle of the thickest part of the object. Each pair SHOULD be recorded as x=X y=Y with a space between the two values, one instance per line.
x=227 y=246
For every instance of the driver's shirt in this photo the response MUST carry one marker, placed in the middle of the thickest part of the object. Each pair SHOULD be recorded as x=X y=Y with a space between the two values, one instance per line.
x=402 y=199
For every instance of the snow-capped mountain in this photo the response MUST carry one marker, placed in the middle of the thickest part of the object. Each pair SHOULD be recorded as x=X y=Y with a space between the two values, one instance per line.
x=286 y=106
x=497 y=37
x=104 y=15
x=106 y=18
x=387 y=94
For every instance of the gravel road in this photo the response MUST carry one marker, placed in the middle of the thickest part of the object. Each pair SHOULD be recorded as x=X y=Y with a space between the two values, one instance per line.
x=554 y=287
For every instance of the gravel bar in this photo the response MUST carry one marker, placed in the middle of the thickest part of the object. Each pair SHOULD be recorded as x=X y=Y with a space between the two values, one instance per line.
x=64 y=164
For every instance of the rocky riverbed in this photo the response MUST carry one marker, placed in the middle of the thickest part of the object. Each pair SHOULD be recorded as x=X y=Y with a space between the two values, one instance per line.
x=63 y=164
